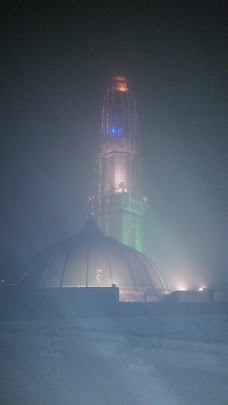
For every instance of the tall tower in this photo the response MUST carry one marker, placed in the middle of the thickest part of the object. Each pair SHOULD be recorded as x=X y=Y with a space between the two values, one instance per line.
x=116 y=198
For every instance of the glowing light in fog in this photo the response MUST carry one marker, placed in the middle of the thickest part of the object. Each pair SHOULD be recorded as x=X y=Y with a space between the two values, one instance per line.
x=181 y=287
x=202 y=289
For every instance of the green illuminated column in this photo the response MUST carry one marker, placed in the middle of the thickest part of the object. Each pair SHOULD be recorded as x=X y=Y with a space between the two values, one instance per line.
x=132 y=222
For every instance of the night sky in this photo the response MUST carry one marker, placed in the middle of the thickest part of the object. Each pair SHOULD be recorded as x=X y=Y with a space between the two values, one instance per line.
x=56 y=63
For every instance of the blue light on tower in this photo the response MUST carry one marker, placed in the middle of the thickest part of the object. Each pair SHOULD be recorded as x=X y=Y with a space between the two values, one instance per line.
x=116 y=132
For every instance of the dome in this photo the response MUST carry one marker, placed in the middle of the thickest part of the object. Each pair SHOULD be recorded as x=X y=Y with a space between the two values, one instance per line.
x=91 y=259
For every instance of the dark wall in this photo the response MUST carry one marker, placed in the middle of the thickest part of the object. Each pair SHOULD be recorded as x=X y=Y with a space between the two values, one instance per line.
x=49 y=303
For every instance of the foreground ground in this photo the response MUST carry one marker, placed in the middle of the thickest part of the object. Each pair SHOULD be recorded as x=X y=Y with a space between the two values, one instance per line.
x=168 y=360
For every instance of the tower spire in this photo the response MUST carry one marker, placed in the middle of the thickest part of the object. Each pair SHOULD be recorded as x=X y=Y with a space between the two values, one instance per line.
x=119 y=83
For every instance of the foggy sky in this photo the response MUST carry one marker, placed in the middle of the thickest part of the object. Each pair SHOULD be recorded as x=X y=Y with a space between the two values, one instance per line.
x=57 y=63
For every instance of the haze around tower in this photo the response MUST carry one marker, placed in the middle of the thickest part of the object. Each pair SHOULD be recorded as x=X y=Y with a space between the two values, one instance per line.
x=56 y=67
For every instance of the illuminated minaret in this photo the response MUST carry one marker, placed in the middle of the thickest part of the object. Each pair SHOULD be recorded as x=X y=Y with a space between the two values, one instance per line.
x=116 y=199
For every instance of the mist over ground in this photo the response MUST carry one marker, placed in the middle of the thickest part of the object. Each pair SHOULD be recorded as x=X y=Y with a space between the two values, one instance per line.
x=147 y=360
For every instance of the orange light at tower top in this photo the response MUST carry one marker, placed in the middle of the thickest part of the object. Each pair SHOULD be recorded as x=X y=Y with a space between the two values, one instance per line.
x=119 y=83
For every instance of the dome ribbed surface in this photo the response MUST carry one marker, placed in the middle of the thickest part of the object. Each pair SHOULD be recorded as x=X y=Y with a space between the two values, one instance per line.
x=91 y=259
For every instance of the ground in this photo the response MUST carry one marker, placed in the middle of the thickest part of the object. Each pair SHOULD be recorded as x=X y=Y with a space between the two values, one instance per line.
x=164 y=361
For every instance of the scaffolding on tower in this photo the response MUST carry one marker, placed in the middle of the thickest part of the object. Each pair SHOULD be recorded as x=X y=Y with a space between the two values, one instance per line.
x=116 y=194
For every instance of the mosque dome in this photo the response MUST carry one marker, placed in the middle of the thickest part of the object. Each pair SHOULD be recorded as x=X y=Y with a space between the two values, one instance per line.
x=91 y=259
